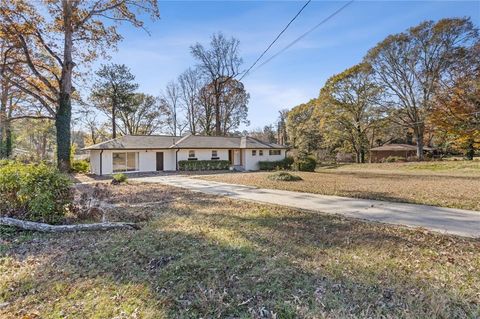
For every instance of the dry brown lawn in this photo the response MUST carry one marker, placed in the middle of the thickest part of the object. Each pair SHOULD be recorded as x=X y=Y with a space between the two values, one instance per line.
x=199 y=256
x=447 y=184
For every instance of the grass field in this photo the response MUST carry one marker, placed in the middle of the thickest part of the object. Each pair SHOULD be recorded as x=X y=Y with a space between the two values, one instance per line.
x=448 y=184
x=199 y=256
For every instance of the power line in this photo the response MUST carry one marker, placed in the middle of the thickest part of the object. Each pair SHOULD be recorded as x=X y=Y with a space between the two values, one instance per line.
x=275 y=40
x=306 y=33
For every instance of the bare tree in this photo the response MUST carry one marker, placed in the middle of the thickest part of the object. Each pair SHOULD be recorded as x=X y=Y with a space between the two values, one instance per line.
x=190 y=83
x=97 y=131
x=169 y=103
x=142 y=116
x=219 y=64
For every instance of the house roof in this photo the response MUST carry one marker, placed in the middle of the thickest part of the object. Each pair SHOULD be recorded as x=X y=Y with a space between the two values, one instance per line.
x=399 y=147
x=136 y=142
x=188 y=141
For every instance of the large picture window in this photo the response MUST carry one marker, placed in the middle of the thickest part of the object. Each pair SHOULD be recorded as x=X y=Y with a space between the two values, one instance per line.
x=275 y=152
x=125 y=162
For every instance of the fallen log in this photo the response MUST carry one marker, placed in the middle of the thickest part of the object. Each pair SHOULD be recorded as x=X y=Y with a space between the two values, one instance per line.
x=27 y=225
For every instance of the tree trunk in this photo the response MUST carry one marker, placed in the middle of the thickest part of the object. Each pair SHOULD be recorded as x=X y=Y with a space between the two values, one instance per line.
x=3 y=120
x=8 y=129
x=64 y=111
x=357 y=157
x=218 y=125
x=62 y=124
x=8 y=138
x=27 y=225
x=419 y=135
x=175 y=121
x=470 y=151
x=114 y=125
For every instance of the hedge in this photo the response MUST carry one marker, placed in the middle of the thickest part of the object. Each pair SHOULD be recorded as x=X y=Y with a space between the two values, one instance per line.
x=286 y=163
x=35 y=192
x=307 y=164
x=203 y=165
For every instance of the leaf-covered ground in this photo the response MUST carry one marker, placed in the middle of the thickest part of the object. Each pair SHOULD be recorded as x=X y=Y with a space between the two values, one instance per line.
x=199 y=256
x=448 y=184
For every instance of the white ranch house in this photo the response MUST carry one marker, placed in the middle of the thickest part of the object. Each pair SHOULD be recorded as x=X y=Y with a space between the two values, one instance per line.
x=150 y=153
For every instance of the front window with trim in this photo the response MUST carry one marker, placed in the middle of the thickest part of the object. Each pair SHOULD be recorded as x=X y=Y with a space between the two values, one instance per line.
x=191 y=155
x=125 y=161
x=260 y=153
x=215 y=155
x=275 y=152
x=254 y=152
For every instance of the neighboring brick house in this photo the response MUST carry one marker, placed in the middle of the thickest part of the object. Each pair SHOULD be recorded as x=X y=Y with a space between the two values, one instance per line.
x=406 y=151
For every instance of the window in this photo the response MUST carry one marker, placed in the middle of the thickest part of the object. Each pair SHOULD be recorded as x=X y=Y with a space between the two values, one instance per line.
x=215 y=155
x=254 y=152
x=125 y=162
x=275 y=152
x=260 y=152
x=191 y=155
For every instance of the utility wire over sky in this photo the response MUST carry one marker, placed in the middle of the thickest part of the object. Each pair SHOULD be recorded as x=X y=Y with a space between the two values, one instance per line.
x=306 y=33
x=275 y=40
x=296 y=40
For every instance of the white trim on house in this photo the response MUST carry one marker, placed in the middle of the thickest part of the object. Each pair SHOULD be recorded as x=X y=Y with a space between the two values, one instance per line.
x=238 y=150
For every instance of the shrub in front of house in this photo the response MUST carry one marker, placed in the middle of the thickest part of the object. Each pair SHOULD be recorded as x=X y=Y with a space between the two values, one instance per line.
x=203 y=165
x=119 y=178
x=285 y=163
x=80 y=166
x=35 y=192
x=284 y=177
x=305 y=164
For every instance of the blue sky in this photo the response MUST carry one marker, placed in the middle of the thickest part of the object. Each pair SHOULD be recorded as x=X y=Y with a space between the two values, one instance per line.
x=296 y=75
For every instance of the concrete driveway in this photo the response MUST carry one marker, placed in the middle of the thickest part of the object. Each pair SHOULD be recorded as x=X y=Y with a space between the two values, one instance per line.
x=445 y=220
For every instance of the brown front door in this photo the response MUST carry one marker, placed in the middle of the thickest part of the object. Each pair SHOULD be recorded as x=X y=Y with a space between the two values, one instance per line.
x=159 y=161
x=230 y=156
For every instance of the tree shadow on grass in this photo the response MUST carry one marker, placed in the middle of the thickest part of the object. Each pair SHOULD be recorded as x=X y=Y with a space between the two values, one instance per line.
x=403 y=175
x=217 y=258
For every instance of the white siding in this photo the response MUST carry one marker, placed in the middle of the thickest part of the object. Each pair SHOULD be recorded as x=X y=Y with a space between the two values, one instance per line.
x=251 y=162
x=95 y=162
x=236 y=157
x=147 y=160
x=107 y=162
x=169 y=163
x=203 y=154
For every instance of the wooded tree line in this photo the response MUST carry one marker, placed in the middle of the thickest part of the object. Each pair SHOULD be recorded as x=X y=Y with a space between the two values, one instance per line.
x=420 y=86
x=47 y=49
